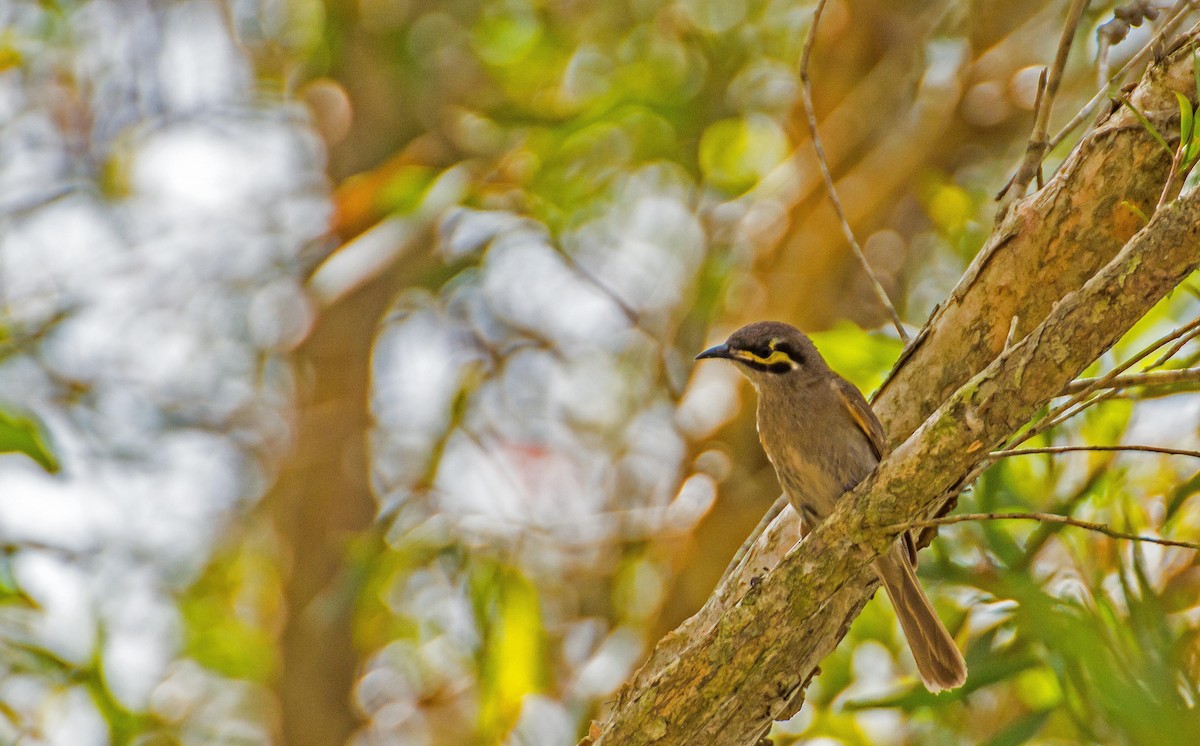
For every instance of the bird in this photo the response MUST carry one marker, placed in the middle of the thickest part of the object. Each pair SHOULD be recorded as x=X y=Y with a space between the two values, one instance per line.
x=822 y=437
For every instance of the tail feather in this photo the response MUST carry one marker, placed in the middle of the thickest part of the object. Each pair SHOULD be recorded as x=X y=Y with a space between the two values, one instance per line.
x=939 y=661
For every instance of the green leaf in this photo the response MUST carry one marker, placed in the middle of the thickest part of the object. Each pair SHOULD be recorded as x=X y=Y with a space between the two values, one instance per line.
x=1136 y=211
x=227 y=612
x=1188 y=124
x=1180 y=495
x=1147 y=126
x=1022 y=730
x=1185 y=121
x=1193 y=148
x=26 y=434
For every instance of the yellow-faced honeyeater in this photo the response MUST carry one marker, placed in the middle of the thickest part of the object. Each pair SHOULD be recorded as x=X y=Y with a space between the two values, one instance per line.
x=823 y=439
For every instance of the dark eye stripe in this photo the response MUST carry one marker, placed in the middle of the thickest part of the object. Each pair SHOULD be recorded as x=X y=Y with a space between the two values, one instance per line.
x=791 y=352
x=772 y=368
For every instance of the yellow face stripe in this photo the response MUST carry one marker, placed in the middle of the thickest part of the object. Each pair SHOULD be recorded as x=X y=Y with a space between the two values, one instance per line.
x=776 y=356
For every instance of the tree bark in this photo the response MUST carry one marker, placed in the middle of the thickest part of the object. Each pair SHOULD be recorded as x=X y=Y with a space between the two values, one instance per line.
x=1071 y=265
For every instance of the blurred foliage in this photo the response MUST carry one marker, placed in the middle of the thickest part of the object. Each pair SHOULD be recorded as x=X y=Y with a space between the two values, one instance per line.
x=24 y=434
x=511 y=656
x=231 y=612
x=861 y=357
x=559 y=203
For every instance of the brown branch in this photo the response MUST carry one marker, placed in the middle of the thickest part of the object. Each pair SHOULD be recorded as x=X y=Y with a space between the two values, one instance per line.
x=1070 y=449
x=722 y=678
x=1078 y=402
x=1038 y=145
x=1060 y=235
x=1041 y=517
x=811 y=118
x=1132 y=380
x=1173 y=19
x=746 y=657
x=1102 y=528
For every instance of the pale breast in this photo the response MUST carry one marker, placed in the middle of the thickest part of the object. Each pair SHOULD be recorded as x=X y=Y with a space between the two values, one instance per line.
x=817 y=451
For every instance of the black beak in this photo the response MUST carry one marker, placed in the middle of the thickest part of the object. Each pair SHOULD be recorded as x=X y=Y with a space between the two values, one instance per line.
x=721 y=350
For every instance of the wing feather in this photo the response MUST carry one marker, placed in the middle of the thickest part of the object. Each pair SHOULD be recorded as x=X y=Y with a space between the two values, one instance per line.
x=863 y=416
x=860 y=411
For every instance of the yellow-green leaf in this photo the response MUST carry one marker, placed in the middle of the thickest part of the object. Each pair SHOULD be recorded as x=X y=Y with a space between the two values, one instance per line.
x=1146 y=125
x=736 y=153
x=22 y=433
x=1185 y=120
x=512 y=659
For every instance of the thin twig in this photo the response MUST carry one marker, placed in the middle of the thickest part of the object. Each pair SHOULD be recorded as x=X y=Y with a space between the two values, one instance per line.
x=1058 y=416
x=1012 y=332
x=1152 y=378
x=1044 y=518
x=1068 y=449
x=1102 y=64
x=1038 y=145
x=1077 y=402
x=1173 y=18
x=1039 y=105
x=1176 y=162
x=1172 y=21
x=811 y=116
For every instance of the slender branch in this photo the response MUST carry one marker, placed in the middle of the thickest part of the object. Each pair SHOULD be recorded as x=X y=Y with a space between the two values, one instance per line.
x=1041 y=535
x=1038 y=145
x=819 y=147
x=1070 y=449
x=1078 y=401
x=1012 y=332
x=1151 y=378
x=1102 y=76
x=1080 y=388
x=1173 y=19
x=1057 y=417
x=1039 y=105
x=1042 y=517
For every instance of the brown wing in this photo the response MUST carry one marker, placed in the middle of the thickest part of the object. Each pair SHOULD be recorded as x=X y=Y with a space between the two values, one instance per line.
x=852 y=399
x=863 y=416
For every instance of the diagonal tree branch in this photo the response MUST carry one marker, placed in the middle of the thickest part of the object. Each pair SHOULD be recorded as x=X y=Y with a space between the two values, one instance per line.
x=746 y=657
x=1047 y=245
x=1133 y=380
x=1038 y=145
x=751 y=666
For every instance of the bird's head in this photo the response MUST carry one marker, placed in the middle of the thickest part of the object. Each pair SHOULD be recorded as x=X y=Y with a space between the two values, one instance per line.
x=771 y=353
